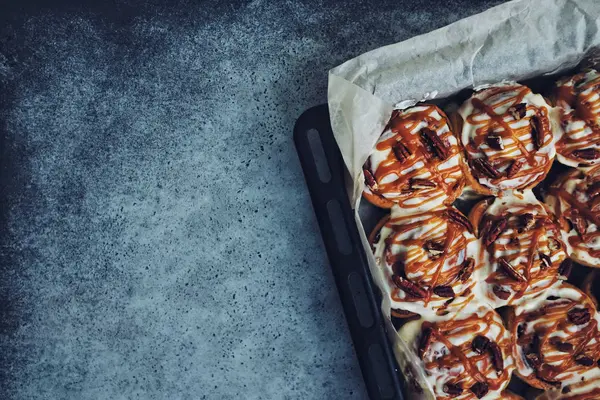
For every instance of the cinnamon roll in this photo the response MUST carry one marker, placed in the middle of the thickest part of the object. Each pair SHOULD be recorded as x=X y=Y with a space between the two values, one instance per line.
x=578 y=98
x=506 y=131
x=467 y=356
x=522 y=249
x=416 y=162
x=427 y=261
x=575 y=200
x=557 y=342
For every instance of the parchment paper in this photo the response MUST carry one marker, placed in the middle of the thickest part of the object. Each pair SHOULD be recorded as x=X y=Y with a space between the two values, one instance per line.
x=514 y=41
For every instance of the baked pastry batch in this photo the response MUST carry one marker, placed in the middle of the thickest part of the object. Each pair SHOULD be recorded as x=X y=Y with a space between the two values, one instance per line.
x=446 y=274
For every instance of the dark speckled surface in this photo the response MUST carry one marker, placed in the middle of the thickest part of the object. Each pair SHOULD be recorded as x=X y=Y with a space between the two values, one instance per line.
x=157 y=239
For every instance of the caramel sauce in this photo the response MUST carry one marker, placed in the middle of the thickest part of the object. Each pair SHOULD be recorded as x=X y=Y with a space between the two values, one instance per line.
x=416 y=260
x=514 y=242
x=577 y=106
x=552 y=318
x=477 y=367
x=404 y=128
x=534 y=162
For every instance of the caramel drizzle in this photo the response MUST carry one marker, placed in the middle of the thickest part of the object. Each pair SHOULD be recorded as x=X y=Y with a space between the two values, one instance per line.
x=448 y=180
x=579 y=241
x=502 y=159
x=559 y=365
x=577 y=106
x=416 y=261
x=462 y=355
x=532 y=269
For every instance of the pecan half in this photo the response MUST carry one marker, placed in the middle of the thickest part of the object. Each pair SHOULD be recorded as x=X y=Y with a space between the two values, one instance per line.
x=537 y=132
x=561 y=346
x=444 y=291
x=586 y=154
x=579 y=316
x=479 y=389
x=494 y=141
x=595 y=206
x=466 y=270
x=496 y=354
x=416 y=183
x=584 y=360
x=453 y=390
x=401 y=151
x=435 y=143
x=483 y=167
x=579 y=223
x=509 y=270
x=527 y=221
x=545 y=260
x=370 y=180
x=565 y=267
x=458 y=218
x=515 y=166
x=398 y=268
x=425 y=341
x=495 y=230
x=533 y=360
x=521 y=330
x=400 y=313
x=435 y=249
x=480 y=344
x=408 y=287
x=518 y=111
x=500 y=292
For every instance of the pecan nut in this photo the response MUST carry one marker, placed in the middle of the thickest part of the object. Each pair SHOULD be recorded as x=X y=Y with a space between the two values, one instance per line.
x=579 y=316
x=453 y=390
x=496 y=354
x=584 y=360
x=518 y=111
x=527 y=221
x=565 y=267
x=545 y=260
x=466 y=270
x=509 y=270
x=401 y=152
x=458 y=218
x=586 y=154
x=435 y=249
x=480 y=344
x=434 y=142
x=370 y=180
x=594 y=190
x=500 y=292
x=495 y=142
x=515 y=166
x=480 y=389
x=484 y=167
x=495 y=230
x=537 y=132
x=408 y=287
x=444 y=291
x=425 y=341
x=416 y=183
x=562 y=346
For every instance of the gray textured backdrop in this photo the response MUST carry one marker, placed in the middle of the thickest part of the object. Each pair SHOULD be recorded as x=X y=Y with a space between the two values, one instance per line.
x=157 y=240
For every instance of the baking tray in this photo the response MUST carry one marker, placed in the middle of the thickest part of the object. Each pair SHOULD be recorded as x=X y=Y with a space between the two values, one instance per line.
x=325 y=175
x=324 y=172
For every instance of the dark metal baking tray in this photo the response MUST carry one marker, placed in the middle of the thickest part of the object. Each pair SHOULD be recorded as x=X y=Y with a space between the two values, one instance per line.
x=324 y=172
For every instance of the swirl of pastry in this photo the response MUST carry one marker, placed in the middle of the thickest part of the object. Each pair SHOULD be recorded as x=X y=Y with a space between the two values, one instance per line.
x=416 y=163
x=426 y=261
x=522 y=249
x=578 y=98
x=556 y=342
x=467 y=356
x=506 y=131
x=575 y=200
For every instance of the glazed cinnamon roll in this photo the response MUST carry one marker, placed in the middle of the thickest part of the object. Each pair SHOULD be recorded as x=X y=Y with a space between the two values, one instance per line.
x=578 y=98
x=416 y=162
x=575 y=200
x=427 y=261
x=506 y=131
x=467 y=356
x=557 y=342
x=522 y=249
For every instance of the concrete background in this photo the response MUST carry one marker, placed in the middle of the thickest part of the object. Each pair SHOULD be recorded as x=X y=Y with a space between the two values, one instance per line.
x=157 y=239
